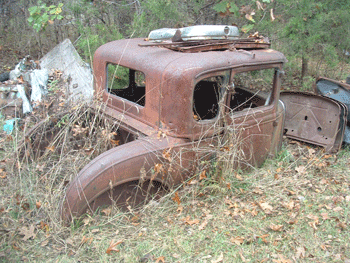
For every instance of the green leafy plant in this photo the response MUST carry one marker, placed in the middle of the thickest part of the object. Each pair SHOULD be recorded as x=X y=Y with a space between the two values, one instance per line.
x=42 y=15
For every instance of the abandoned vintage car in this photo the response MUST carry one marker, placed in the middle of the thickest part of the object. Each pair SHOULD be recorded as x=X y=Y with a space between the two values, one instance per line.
x=172 y=100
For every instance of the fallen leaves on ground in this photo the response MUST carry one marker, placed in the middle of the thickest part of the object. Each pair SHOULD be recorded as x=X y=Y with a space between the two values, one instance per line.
x=27 y=232
x=188 y=221
x=237 y=240
x=276 y=228
x=176 y=198
x=112 y=246
x=160 y=259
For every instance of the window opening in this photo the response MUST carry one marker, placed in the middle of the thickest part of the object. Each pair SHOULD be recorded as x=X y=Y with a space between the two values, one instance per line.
x=126 y=83
x=252 y=89
x=207 y=95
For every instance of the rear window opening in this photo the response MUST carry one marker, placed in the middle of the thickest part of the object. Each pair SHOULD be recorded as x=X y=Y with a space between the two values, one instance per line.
x=252 y=89
x=126 y=83
x=207 y=95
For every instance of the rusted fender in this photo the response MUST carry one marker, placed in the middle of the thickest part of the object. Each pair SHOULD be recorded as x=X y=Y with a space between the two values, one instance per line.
x=124 y=164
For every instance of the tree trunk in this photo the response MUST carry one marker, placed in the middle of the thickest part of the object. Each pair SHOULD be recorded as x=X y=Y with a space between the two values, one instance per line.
x=304 y=68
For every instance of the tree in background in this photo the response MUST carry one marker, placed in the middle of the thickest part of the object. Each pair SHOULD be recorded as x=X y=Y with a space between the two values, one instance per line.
x=316 y=30
x=305 y=30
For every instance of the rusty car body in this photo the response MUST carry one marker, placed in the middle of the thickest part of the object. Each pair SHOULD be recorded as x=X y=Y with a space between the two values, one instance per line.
x=171 y=107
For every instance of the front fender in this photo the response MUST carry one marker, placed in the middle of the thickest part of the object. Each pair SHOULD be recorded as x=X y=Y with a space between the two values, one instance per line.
x=120 y=165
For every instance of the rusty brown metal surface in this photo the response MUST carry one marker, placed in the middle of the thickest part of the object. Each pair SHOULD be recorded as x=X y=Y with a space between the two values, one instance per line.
x=167 y=74
x=166 y=122
x=314 y=119
x=140 y=160
x=338 y=91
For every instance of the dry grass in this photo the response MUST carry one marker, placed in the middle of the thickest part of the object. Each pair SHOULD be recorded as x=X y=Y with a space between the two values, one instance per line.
x=293 y=209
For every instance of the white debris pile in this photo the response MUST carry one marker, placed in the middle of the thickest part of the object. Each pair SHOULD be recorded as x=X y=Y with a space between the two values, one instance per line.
x=26 y=86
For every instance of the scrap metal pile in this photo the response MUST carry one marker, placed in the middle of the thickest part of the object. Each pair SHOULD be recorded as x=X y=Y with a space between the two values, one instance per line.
x=202 y=38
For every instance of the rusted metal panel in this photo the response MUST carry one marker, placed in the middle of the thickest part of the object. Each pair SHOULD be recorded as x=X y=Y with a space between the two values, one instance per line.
x=314 y=119
x=338 y=91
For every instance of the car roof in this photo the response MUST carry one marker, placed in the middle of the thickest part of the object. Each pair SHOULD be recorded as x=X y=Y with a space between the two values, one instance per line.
x=130 y=53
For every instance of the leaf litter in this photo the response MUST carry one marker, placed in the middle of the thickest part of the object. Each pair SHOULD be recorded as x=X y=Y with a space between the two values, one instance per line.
x=294 y=208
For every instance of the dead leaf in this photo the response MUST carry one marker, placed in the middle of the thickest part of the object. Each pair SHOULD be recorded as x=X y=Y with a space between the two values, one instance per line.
x=160 y=259
x=27 y=232
x=301 y=169
x=324 y=216
x=86 y=240
x=44 y=243
x=242 y=258
x=289 y=205
x=202 y=175
x=341 y=225
x=263 y=238
x=266 y=207
x=114 y=142
x=257 y=191
x=51 y=148
x=219 y=259
x=44 y=226
x=192 y=182
x=237 y=240
x=311 y=151
x=292 y=221
x=166 y=155
x=323 y=181
x=158 y=168
x=176 y=198
x=259 y=5
x=337 y=209
x=281 y=260
x=191 y=222
x=271 y=15
x=25 y=206
x=86 y=221
x=179 y=209
x=276 y=228
x=112 y=246
x=107 y=211
x=327 y=156
x=203 y=225
x=300 y=252
x=38 y=204
x=3 y=174
x=239 y=178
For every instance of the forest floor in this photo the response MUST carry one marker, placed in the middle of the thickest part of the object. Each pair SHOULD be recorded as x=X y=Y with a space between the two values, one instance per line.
x=295 y=208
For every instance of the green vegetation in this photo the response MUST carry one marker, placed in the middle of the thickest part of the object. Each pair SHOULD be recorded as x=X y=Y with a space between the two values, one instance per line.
x=312 y=34
x=293 y=209
x=41 y=15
